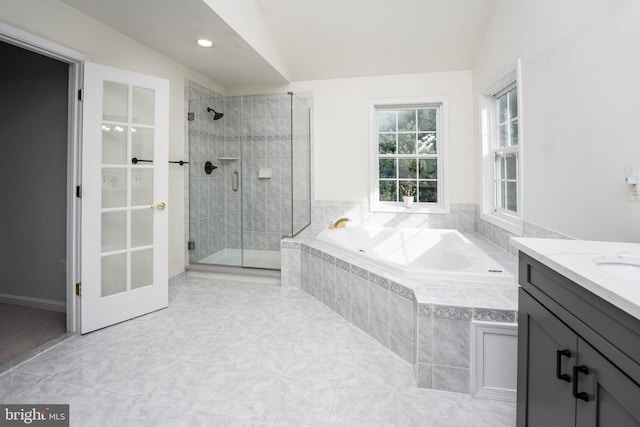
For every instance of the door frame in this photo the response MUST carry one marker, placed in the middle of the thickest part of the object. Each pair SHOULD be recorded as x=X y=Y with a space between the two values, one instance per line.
x=26 y=40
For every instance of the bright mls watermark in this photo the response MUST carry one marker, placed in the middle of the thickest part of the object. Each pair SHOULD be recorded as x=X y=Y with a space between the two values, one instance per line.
x=34 y=415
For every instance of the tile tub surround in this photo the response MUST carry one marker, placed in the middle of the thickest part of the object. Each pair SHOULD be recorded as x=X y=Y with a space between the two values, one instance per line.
x=426 y=322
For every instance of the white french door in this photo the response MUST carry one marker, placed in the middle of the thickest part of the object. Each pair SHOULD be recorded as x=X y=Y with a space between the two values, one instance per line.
x=124 y=193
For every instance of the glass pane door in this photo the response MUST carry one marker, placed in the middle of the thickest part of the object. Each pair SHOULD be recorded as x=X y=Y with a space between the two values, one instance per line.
x=124 y=226
x=127 y=188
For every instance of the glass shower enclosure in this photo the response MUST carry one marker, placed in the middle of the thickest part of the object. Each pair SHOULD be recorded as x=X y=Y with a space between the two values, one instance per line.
x=249 y=178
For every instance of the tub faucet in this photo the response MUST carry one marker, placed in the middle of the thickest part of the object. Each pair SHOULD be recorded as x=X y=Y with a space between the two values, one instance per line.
x=341 y=223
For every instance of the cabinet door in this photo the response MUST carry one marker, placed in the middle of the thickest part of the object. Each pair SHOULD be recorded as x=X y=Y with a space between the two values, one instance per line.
x=613 y=399
x=544 y=399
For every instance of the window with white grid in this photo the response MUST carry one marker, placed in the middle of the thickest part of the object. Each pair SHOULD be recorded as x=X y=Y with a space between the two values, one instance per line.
x=408 y=146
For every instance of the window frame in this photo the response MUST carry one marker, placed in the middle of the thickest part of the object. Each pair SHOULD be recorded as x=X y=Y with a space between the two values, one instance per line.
x=442 y=177
x=490 y=210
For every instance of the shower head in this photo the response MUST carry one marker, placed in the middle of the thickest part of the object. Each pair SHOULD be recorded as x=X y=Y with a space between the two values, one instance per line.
x=216 y=116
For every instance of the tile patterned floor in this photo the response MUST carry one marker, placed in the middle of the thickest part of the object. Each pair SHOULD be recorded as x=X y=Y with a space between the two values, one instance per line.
x=238 y=354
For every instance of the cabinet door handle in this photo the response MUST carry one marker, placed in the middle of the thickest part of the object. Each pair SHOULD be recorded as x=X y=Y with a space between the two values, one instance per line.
x=559 y=374
x=579 y=370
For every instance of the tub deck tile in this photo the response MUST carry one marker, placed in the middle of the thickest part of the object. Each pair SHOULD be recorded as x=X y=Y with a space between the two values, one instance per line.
x=379 y=280
x=400 y=290
x=449 y=312
x=494 y=315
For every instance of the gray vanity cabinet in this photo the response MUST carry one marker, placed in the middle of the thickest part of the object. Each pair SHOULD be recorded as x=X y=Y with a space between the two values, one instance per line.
x=578 y=355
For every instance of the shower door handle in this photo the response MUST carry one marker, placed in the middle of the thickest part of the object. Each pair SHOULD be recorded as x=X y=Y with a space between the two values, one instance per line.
x=234 y=181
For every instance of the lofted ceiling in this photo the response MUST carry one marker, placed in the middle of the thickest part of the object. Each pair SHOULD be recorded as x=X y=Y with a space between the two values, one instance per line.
x=313 y=40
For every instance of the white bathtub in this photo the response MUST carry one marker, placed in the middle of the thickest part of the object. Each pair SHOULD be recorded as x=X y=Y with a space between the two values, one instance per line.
x=418 y=253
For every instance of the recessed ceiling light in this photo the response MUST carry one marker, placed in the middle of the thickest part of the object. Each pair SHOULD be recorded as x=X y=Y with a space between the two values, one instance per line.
x=204 y=43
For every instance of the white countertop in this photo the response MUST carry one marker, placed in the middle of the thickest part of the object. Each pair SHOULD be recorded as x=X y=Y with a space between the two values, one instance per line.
x=574 y=259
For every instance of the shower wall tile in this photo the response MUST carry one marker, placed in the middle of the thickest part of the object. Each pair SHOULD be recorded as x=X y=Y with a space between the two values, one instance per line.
x=259 y=241
x=232 y=240
x=273 y=241
x=258 y=222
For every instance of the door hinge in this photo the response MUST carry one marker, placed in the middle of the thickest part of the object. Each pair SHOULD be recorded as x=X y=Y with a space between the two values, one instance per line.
x=79 y=289
x=81 y=94
x=191 y=117
x=79 y=191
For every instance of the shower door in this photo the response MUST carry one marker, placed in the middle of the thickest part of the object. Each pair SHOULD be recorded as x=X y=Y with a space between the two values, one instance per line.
x=259 y=192
x=214 y=191
x=300 y=165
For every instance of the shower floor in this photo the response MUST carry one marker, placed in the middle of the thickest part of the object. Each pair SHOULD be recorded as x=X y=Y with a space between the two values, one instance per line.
x=252 y=258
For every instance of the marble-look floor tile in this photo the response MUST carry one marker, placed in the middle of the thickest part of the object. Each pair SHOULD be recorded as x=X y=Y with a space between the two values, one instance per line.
x=205 y=419
x=299 y=402
x=422 y=411
x=56 y=359
x=241 y=394
x=158 y=415
x=361 y=407
x=485 y=413
x=368 y=370
x=13 y=384
x=266 y=356
x=185 y=383
x=240 y=354
x=307 y=361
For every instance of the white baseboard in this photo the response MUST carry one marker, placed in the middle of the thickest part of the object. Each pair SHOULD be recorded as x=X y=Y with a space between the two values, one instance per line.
x=43 y=304
x=494 y=349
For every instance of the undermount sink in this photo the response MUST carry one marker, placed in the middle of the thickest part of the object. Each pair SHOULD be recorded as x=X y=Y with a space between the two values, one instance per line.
x=624 y=266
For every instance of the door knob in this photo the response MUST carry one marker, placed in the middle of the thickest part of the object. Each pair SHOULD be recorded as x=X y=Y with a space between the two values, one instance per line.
x=160 y=206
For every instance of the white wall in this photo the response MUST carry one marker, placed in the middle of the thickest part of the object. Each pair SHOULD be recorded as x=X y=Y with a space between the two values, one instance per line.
x=341 y=128
x=580 y=80
x=64 y=25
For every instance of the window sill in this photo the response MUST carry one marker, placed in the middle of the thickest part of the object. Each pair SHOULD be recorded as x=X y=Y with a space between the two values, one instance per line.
x=398 y=207
x=511 y=224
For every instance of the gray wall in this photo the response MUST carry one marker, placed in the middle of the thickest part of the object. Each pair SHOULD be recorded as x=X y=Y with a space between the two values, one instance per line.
x=33 y=174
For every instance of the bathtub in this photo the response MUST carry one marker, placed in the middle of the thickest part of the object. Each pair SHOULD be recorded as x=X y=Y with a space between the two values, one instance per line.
x=417 y=252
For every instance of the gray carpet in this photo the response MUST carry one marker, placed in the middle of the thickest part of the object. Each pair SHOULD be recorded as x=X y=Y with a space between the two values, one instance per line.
x=23 y=329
